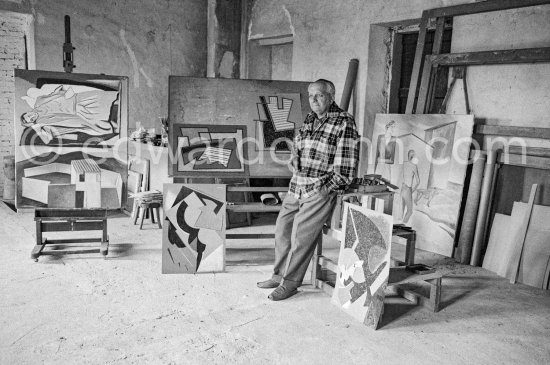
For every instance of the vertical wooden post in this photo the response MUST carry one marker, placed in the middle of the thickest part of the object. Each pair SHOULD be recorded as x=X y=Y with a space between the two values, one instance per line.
x=243 y=60
x=211 y=38
x=418 y=63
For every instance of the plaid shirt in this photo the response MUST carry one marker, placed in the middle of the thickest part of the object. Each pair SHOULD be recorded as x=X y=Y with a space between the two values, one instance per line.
x=326 y=156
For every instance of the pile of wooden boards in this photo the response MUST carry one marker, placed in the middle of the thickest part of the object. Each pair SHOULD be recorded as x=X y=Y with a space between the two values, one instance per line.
x=519 y=245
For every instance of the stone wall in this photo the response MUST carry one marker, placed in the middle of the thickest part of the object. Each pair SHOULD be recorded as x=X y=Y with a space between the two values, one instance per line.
x=13 y=27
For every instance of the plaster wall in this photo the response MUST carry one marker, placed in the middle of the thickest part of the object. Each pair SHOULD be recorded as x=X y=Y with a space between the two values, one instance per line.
x=144 y=40
x=519 y=94
x=327 y=34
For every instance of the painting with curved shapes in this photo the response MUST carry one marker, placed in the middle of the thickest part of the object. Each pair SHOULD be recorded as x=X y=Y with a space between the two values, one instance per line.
x=363 y=263
x=193 y=238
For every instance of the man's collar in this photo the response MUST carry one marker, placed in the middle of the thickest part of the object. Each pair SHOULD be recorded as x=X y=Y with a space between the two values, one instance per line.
x=333 y=111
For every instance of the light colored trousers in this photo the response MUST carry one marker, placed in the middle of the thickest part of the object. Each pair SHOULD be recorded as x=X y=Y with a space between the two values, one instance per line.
x=292 y=256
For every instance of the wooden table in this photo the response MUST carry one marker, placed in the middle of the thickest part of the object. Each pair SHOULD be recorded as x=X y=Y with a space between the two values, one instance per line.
x=63 y=220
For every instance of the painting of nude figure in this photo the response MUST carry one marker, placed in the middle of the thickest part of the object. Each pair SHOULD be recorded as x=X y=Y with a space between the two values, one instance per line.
x=426 y=157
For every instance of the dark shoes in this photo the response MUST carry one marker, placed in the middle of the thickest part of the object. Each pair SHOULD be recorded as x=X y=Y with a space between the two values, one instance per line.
x=282 y=292
x=268 y=284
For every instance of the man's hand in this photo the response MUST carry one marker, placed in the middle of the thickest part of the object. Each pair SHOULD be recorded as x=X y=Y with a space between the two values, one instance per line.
x=294 y=164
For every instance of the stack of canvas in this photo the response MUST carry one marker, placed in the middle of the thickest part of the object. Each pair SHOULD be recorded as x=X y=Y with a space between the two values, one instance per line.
x=535 y=256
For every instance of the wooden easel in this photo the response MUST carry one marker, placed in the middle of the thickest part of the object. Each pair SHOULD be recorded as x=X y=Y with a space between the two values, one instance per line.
x=431 y=62
x=63 y=220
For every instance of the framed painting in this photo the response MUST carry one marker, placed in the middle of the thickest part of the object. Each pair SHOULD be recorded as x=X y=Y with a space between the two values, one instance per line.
x=363 y=263
x=201 y=149
x=271 y=111
x=426 y=157
x=193 y=236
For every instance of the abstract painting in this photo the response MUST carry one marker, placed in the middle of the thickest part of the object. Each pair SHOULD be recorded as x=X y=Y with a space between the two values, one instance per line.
x=363 y=263
x=201 y=149
x=270 y=110
x=426 y=157
x=275 y=128
x=70 y=147
x=193 y=237
x=71 y=180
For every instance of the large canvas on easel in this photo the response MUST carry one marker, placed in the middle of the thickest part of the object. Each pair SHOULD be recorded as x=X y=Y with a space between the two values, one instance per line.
x=70 y=136
x=363 y=263
x=426 y=157
x=193 y=234
x=270 y=112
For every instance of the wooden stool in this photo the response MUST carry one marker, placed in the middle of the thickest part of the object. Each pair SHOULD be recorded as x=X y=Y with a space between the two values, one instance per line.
x=145 y=207
x=400 y=276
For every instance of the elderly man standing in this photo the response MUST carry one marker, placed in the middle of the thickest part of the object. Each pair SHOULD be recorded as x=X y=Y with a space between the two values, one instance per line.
x=324 y=161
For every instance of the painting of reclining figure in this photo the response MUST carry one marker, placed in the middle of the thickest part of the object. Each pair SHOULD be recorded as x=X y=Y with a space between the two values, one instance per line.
x=59 y=109
x=426 y=157
x=193 y=237
x=67 y=127
x=363 y=263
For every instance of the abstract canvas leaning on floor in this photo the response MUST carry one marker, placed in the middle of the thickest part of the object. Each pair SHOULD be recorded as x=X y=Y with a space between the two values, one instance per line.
x=363 y=263
x=426 y=157
x=193 y=235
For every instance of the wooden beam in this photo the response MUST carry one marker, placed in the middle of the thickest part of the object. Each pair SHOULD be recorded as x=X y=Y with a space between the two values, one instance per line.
x=524 y=55
x=273 y=41
x=436 y=49
x=243 y=59
x=418 y=63
x=424 y=89
x=529 y=151
x=536 y=162
x=523 y=132
x=252 y=207
x=483 y=7
x=258 y=188
x=397 y=55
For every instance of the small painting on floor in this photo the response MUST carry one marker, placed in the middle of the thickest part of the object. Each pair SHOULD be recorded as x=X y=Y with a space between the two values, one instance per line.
x=193 y=238
x=363 y=263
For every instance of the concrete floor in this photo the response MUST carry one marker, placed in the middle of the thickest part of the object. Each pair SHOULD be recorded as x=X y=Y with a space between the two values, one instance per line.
x=83 y=309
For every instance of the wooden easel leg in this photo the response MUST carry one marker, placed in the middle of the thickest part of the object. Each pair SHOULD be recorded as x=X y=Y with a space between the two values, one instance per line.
x=143 y=211
x=40 y=243
x=158 y=217
x=315 y=267
x=410 y=248
x=104 y=249
x=138 y=208
x=37 y=250
x=435 y=294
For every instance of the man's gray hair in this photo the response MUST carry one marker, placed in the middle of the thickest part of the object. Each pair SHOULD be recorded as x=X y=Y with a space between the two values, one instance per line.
x=329 y=87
